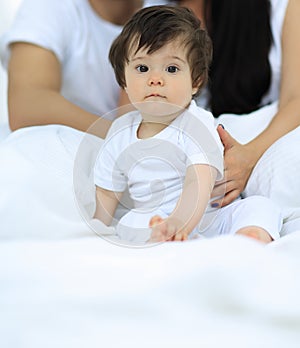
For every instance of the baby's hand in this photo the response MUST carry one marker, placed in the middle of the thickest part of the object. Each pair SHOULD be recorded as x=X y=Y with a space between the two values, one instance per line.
x=166 y=230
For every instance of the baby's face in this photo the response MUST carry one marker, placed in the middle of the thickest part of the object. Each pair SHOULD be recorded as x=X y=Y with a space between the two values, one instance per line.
x=159 y=82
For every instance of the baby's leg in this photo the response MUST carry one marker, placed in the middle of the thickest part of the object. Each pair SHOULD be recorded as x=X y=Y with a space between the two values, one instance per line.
x=255 y=232
x=257 y=217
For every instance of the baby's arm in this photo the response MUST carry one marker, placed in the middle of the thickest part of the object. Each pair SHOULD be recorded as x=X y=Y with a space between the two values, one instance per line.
x=198 y=184
x=106 y=204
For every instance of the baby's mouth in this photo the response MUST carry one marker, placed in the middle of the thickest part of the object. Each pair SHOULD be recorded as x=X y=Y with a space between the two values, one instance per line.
x=155 y=95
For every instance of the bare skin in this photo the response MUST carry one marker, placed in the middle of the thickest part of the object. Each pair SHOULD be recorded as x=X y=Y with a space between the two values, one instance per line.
x=197 y=6
x=117 y=11
x=256 y=233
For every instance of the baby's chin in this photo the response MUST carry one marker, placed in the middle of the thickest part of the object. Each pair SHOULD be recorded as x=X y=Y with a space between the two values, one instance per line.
x=156 y=110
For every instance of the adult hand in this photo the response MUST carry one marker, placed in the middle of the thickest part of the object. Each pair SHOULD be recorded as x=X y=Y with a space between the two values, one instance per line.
x=239 y=161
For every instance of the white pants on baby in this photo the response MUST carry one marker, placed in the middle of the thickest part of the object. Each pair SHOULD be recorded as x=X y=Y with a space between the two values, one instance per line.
x=252 y=211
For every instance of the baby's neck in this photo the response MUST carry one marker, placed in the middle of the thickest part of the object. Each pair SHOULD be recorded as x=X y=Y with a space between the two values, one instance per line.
x=152 y=124
x=150 y=129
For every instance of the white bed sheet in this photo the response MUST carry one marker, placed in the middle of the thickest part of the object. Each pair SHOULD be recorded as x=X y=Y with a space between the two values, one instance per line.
x=223 y=292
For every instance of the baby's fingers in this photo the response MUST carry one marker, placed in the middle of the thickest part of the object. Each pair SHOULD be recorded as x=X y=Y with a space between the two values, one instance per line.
x=155 y=220
x=181 y=236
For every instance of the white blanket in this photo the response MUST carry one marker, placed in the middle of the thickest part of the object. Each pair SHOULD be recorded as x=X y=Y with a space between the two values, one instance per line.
x=223 y=292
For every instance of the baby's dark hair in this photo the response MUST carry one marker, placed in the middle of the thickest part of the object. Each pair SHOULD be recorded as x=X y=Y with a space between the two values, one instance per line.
x=152 y=28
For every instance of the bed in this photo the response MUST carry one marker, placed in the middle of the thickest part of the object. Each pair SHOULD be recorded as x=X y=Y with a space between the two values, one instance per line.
x=67 y=282
x=86 y=292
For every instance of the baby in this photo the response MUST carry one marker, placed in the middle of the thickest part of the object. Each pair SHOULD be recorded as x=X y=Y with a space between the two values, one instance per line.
x=167 y=152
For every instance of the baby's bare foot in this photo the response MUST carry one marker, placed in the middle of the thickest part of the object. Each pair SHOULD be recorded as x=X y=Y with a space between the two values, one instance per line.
x=256 y=233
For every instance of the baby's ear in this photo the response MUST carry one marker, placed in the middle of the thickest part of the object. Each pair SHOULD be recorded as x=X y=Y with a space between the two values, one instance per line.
x=197 y=86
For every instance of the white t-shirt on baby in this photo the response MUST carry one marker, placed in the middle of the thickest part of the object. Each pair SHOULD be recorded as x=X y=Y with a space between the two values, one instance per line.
x=153 y=169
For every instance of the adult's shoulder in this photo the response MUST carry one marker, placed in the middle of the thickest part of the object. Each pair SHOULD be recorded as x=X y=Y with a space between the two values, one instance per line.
x=43 y=23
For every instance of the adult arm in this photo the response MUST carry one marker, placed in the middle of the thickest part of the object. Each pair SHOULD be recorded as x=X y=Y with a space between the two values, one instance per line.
x=190 y=207
x=241 y=159
x=34 y=83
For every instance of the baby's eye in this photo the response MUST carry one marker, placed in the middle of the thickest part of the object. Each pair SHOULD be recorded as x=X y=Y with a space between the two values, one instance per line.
x=172 y=69
x=142 y=68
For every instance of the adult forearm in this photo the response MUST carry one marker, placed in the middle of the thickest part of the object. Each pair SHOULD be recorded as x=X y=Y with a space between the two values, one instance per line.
x=43 y=106
x=286 y=119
